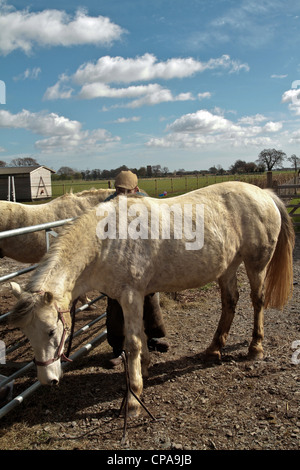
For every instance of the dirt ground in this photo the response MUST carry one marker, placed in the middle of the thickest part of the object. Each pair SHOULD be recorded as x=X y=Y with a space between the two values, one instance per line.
x=235 y=405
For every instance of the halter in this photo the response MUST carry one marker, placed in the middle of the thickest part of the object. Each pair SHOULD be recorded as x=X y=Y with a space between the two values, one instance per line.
x=60 y=353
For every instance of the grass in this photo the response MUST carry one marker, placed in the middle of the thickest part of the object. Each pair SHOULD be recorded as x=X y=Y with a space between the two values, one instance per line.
x=153 y=186
x=171 y=185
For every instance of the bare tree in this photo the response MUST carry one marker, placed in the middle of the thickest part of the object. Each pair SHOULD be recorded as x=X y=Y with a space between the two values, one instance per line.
x=295 y=161
x=26 y=161
x=156 y=169
x=271 y=158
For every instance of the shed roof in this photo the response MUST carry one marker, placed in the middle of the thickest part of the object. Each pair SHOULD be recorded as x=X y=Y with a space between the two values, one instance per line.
x=21 y=170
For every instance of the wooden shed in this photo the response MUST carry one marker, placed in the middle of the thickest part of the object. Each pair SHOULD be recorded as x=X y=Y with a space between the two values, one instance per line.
x=25 y=183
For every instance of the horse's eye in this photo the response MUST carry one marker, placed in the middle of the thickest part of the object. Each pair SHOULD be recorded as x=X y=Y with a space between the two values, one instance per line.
x=51 y=333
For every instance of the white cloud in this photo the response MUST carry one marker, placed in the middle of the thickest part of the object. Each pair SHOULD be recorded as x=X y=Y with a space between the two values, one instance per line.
x=85 y=141
x=251 y=120
x=62 y=134
x=101 y=90
x=61 y=90
x=31 y=74
x=201 y=122
x=39 y=123
x=95 y=78
x=157 y=95
x=130 y=119
x=21 y=29
x=140 y=95
x=203 y=96
x=205 y=128
x=145 y=68
x=292 y=97
x=272 y=126
x=278 y=76
x=295 y=137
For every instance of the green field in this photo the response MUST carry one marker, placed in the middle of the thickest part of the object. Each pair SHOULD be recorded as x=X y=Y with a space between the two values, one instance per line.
x=172 y=186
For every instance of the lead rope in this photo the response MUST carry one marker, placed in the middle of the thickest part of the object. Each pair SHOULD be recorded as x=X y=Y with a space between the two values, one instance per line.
x=72 y=312
x=126 y=397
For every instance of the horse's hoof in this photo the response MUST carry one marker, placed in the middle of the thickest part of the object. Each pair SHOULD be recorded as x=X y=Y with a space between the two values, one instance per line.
x=212 y=356
x=158 y=344
x=134 y=410
x=255 y=355
x=114 y=363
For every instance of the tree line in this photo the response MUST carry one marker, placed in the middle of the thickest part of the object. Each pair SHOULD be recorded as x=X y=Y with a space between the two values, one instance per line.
x=267 y=160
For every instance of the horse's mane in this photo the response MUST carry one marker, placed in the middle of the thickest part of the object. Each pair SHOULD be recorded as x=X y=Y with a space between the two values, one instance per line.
x=49 y=261
x=56 y=253
x=87 y=192
x=84 y=193
x=91 y=191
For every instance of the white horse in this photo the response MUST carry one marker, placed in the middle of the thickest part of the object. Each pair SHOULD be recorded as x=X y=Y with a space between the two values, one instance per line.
x=30 y=248
x=109 y=250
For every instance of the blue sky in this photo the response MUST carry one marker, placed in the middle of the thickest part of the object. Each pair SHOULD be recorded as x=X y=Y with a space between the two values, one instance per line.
x=177 y=83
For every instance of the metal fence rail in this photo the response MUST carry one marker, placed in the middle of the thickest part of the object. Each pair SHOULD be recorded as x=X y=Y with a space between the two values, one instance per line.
x=82 y=350
x=34 y=228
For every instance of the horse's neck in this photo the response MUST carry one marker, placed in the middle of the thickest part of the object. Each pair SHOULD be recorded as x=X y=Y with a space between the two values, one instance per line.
x=66 y=261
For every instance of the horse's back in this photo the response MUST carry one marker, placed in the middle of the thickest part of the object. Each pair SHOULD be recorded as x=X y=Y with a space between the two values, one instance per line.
x=239 y=220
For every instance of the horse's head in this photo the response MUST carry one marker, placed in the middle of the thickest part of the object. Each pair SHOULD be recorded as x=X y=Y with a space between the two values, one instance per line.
x=46 y=326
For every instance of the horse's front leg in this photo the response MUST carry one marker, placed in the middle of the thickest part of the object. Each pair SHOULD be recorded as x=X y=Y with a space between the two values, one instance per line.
x=135 y=345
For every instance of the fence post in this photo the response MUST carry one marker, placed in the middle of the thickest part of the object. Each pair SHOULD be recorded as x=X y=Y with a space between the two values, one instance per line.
x=2 y=352
x=269 y=179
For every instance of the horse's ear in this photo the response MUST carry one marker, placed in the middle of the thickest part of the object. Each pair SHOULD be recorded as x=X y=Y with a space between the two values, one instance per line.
x=16 y=289
x=48 y=297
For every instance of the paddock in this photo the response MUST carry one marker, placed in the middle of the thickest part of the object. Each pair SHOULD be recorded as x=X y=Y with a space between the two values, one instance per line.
x=233 y=405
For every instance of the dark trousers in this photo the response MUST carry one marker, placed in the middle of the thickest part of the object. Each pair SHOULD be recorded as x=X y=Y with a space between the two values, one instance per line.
x=153 y=322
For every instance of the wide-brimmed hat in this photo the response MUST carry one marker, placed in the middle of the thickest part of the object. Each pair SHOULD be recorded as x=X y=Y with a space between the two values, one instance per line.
x=126 y=180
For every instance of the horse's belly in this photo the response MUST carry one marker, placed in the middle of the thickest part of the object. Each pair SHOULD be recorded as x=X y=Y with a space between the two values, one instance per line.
x=27 y=248
x=196 y=271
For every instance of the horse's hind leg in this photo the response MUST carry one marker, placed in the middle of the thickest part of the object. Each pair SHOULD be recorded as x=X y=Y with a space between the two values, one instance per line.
x=135 y=345
x=257 y=296
x=229 y=297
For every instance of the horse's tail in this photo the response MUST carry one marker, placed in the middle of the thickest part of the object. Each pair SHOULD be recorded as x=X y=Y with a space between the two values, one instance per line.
x=279 y=277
